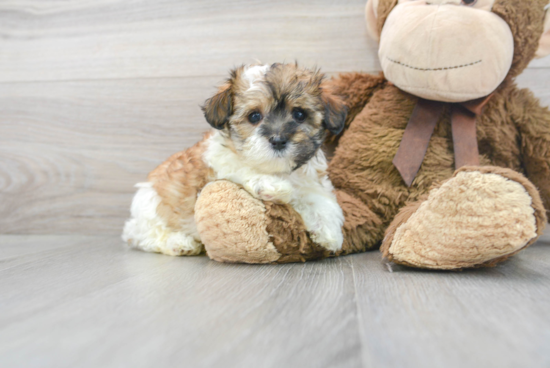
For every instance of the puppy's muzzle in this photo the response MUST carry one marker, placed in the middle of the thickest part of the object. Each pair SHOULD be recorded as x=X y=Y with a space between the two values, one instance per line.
x=278 y=143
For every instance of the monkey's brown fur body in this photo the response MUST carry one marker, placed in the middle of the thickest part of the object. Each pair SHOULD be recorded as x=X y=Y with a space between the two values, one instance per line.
x=362 y=165
x=513 y=136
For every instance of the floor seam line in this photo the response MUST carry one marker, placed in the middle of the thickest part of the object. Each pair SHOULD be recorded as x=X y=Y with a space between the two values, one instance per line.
x=359 y=315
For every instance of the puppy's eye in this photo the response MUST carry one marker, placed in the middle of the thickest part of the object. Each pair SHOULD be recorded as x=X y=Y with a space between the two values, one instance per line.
x=299 y=115
x=254 y=117
x=469 y=2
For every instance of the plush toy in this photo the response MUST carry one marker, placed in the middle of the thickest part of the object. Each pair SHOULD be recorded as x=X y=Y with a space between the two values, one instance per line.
x=444 y=162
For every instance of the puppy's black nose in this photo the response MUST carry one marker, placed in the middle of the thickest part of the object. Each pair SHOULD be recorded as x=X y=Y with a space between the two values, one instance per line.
x=278 y=143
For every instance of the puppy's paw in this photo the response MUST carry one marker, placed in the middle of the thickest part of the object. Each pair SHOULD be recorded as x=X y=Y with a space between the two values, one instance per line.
x=323 y=218
x=270 y=188
x=180 y=244
x=329 y=237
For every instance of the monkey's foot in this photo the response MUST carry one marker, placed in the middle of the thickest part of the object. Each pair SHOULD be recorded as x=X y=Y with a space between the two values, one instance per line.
x=479 y=217
x=236 y=227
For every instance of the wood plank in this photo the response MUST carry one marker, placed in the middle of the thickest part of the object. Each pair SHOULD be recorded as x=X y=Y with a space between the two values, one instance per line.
x=15 y=247
x=103 y=305
x=52 y=40
x=95 y=303
x=71 y=152
x=478 y=318
x=540 y=63
x=538 y=81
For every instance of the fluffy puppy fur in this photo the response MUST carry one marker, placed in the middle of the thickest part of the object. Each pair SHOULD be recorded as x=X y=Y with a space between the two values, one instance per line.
x=270 y=121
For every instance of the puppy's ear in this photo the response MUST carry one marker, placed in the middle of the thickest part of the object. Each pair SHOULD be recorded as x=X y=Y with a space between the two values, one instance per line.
x=335 y=113
x=219 y=108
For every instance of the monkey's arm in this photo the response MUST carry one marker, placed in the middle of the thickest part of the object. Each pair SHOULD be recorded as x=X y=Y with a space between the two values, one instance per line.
x=355 y=89
x=533 y=122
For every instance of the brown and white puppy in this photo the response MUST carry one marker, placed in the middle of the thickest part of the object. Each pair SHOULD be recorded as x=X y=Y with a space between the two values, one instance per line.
x=270 y=121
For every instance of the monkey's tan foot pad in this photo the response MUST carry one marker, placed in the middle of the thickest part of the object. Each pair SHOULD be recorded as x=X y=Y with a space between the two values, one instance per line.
x=479 y=217
x=238 y=228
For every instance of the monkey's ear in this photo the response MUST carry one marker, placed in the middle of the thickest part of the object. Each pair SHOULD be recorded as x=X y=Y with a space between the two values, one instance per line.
x=371 y=16
x=219 y=108
x=544 y=43
x=335 y=113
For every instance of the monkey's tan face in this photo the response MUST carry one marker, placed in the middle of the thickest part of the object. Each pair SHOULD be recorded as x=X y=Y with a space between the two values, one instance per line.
x=279 y=116
x=446 y=50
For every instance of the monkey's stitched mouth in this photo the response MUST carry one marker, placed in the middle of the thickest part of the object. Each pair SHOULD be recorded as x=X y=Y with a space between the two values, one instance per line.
x=433 y=69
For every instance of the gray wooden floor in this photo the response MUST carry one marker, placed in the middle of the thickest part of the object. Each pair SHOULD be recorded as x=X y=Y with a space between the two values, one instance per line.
x=86 y=301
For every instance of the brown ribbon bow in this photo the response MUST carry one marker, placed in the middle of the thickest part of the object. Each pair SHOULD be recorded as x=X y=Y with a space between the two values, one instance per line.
x=420 y=128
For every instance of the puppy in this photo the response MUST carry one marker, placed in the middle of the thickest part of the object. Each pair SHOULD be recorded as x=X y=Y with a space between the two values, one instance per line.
x=269 y=123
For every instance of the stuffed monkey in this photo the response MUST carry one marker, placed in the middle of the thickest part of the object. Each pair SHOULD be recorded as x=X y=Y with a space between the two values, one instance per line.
x=444 y=162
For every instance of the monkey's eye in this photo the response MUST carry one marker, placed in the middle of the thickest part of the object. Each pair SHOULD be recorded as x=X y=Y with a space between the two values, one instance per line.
x=469 y=2
x=254 y=117
x=299 y=115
